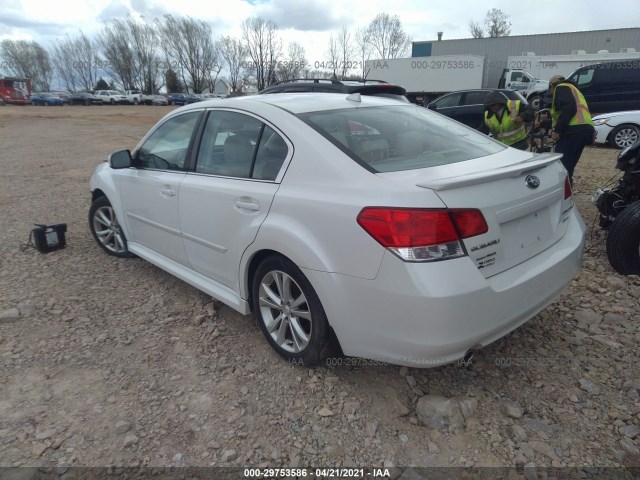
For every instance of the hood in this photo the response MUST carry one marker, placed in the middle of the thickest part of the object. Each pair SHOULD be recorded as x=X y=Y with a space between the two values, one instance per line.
x=633 y=113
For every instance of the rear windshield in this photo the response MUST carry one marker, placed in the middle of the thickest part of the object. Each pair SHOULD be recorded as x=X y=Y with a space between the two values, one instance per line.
x=394 y=138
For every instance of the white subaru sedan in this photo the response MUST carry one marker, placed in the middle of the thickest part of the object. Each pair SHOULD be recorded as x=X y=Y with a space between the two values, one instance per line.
x=405 y=236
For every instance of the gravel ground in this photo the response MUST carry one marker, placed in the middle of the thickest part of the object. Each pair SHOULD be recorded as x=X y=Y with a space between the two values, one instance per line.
x=112 y=362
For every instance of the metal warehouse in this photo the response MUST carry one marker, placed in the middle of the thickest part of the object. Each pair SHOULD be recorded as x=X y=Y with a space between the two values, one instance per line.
x=497 y=50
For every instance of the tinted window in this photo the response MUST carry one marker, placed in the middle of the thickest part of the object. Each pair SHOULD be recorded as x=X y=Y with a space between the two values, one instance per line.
x=452 y=100
x=271 y=154
x=474 y=98
x=583 y=76
x=388 y=139
x=167 y=147
x=228 y=144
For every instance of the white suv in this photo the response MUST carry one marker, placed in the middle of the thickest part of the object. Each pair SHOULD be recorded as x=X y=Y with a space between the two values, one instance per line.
x=111 y=96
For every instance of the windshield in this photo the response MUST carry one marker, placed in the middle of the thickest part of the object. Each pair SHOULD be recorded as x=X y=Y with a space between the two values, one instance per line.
x=394 y=138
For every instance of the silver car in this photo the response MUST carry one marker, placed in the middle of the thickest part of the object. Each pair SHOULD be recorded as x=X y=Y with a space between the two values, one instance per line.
x=404 y=236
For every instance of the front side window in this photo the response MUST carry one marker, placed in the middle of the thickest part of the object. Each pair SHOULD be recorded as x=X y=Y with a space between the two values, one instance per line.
x=394 y=138
x=237 y=145
x=582 y=77
x=166 y=148
x=452 y=100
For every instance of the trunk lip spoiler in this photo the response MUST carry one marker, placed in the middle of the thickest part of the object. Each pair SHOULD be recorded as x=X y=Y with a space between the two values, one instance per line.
x=529 y=165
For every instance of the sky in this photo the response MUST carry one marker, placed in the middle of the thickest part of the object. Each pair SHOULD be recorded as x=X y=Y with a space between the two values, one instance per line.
x=311 y=22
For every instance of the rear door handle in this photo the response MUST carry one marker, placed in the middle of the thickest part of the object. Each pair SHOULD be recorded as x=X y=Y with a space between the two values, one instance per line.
x=254 y=207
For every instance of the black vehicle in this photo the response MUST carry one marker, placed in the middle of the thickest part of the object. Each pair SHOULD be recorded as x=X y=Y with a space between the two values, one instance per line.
x=467 y=106
x=609 y=86
x=84 y=98
x=619 y=208
x=325 y=85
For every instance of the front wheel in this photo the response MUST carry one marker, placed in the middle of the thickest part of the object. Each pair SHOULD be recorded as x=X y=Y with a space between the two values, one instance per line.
x=106 y=229
x=624 y=136
x=289 y=311
x=623 y=241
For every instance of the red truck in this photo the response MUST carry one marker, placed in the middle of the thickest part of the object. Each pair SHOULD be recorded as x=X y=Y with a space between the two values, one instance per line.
x=12 y=91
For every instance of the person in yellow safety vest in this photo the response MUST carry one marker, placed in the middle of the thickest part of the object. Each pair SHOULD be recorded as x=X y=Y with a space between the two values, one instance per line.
x=571 y=121
x=505 y=120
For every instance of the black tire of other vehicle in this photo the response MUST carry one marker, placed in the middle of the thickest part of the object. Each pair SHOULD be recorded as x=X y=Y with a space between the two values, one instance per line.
x=101 y=213
x=305 y=316
x=135 y=101
x=535 y=102
x=86 y=102
x=623 y=241
x=113 y=102
x=624 y=135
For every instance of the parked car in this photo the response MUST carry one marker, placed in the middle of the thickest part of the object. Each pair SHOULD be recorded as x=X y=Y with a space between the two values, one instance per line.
x=136 y=97
x=618 y=129
x=65 y=96
x=181 y=99
x=159 y=100
x=400 y=234
x=609 y=86
x=85 y=98
x=112 y=97
x=325 y=85
x=467 y=106
x=46 y=99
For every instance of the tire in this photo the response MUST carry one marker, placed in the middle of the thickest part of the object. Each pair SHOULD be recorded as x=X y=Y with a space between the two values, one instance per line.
x=535 y=102
x=113 y=102
x=106 y=230
x=624 y=135
x=86 y=102
x=298 y=332
x=135 y=101
x=623 y=241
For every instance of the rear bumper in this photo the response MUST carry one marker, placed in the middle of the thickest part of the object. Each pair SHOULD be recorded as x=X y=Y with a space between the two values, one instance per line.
x=425 y=315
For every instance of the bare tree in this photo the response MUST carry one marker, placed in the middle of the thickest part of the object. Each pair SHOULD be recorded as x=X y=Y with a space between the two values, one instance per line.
x=115 y=44
x=363 y=46
x=234 y=53
x=345 y=50
x=264 y=49
x=75 y=62
x=28 y=60
x=497 y=23
x=387 y=36
x=476 y=29
x=144 y=40
x=333 y=55
x=189 y=47
x=294 y=64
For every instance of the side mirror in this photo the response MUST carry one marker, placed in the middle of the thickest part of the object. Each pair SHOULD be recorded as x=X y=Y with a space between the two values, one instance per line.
x=526 y=79
x=432 y=106
x=120 y=159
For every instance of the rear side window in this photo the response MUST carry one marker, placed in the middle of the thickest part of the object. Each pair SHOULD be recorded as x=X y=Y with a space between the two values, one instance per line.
x=394 y=138
x=237 y=145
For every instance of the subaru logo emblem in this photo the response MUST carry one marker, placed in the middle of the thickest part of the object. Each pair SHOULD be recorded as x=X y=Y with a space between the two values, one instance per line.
x=532 y=181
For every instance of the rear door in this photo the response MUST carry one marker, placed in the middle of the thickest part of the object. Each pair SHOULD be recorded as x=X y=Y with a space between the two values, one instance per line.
x=223 y=203
x=471 y=111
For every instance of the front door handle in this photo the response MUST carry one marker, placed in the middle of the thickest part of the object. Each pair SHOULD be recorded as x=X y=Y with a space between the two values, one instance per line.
x=168 y=191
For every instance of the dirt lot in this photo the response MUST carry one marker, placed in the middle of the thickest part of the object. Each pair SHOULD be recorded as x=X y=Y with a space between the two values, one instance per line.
x=112 y=362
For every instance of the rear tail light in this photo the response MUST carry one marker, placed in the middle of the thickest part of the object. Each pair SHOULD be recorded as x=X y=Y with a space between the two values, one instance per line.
x=422 y=235
x=567 y=187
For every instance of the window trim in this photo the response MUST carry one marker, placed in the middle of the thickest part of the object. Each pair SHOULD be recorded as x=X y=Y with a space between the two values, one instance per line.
x=195 y=148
